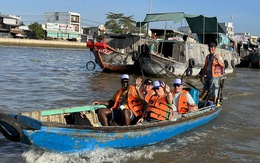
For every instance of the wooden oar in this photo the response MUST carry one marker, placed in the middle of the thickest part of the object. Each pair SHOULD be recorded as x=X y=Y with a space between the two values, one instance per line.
x=220 y=89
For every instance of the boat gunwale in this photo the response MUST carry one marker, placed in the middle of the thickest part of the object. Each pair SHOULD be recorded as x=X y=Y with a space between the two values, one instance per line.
x=131 y=127
x=154 y=54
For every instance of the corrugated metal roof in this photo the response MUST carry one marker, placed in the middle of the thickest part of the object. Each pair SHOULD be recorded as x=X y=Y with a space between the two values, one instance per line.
x=6 y=16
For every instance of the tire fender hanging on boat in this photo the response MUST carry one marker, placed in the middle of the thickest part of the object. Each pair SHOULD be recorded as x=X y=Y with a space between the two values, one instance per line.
x=191 y=63
x=170 y=69
x=10 y=128
x=226 y=63
x=90 y=66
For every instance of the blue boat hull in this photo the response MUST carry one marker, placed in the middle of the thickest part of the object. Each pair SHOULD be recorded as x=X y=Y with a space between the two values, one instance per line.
x=68 y=139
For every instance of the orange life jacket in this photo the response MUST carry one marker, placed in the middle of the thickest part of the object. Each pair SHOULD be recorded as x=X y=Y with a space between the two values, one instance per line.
x=217 y=70
x=148 y=94
x=183 y=106
x=159 y=108
x=132 y=102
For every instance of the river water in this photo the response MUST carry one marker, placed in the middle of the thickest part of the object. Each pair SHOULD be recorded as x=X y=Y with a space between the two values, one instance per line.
x=42 y=78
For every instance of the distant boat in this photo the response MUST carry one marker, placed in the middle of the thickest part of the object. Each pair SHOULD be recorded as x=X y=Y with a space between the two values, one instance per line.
x=250 y=54
x=255 y=62
x=250 y=60
x=118 y=53
x=181 y=54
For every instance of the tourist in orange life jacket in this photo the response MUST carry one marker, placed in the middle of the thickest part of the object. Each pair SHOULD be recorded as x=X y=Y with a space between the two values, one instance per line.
x=146 y=92
x=213 y=70
x=123 y=108
x=182 y=100
x=159 y=106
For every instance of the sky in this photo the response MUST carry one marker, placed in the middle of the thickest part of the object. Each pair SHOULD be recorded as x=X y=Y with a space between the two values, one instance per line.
x=93 y=12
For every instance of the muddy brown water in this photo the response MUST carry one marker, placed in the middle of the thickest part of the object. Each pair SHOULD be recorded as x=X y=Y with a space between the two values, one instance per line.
x=42 y=78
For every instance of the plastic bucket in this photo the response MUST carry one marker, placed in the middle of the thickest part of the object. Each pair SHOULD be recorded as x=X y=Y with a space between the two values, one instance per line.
x=195 y=95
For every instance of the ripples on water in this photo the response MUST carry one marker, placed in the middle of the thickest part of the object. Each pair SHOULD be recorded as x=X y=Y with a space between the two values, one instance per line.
x=42 y=78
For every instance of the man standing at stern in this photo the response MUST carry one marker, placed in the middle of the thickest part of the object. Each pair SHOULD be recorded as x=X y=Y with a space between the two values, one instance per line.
x=213 y=70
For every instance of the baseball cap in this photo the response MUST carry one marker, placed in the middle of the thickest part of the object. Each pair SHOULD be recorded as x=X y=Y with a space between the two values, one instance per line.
x=157 y=84
x=125 y=77
x=177 y=82
x=148 y=81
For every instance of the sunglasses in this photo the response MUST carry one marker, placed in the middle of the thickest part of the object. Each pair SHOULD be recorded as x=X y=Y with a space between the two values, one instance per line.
x=176 y=85
x=124 y=81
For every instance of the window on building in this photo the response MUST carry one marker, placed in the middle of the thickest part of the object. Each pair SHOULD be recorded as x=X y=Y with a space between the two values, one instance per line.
x=75 y=19
x=56 y=16
x=76 y=28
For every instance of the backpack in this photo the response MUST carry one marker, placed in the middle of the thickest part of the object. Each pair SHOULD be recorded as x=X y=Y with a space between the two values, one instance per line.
x=76 y=119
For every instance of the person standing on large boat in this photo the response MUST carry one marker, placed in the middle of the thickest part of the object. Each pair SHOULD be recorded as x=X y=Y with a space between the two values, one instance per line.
x=182 y=100
x=213 y=70
x=124 y=107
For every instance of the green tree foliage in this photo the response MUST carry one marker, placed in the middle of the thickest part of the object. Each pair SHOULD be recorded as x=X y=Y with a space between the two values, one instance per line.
x=37 y=30
x=118 y=23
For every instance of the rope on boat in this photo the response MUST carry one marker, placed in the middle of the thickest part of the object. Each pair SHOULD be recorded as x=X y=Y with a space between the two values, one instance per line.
x=90 y=66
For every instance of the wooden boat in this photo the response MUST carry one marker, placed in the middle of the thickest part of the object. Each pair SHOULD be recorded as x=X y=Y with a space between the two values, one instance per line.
x=48 y=129
x=174 y=55
x=175 y=62
x=255 y=62
x=55 y=130
x=117 y=52
x=252 y=59
x=248 y=49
